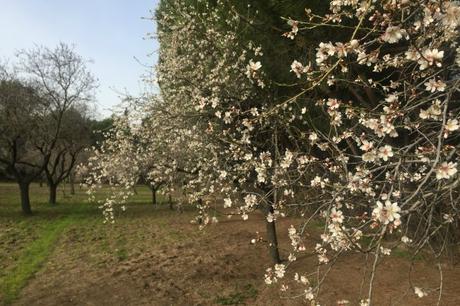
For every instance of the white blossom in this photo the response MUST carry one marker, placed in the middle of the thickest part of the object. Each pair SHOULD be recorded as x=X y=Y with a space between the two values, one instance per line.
x=446 y=170
x=386 y=213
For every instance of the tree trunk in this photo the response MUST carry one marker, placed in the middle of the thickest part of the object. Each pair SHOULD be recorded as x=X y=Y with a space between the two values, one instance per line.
x=53 y=193
x=272 y=239
x=171 y=207
x=271 y=231
x=25 y=200
x=72 y=184
x=63 y=189
x=154 y=196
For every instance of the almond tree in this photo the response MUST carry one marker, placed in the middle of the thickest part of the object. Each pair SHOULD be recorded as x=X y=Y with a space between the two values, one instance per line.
x=206 y=71
x=59 y=80
x=144 y=145
x=73 y=139
x=21 y=130
x=369 y=136
x=381 y=161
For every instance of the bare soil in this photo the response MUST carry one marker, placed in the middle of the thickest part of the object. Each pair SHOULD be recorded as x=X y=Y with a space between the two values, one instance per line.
x=162 y=259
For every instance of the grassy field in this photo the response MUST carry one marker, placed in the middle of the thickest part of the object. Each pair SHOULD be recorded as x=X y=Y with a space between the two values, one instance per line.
x=26 y=242
x=66 y=255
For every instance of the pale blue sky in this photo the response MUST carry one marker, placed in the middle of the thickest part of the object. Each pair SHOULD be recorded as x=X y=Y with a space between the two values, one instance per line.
x=110 y=32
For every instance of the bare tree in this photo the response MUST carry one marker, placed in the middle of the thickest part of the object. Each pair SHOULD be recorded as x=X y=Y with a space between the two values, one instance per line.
x=33 y=114
x=20 y=128
x=62 y=78
x=73 y=138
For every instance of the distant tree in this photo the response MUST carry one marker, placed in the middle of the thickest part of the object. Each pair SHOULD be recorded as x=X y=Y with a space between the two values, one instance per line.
x=74 y=137
x=35 y=97
x=98 y=128
x=21 y=125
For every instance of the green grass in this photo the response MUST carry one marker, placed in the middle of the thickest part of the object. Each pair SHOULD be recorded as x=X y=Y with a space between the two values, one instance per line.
x=31 y=259
x=405 y=254
x=238 y=298
x=26 y=242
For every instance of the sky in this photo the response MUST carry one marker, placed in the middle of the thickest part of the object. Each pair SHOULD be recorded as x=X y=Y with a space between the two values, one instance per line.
x=111 y=33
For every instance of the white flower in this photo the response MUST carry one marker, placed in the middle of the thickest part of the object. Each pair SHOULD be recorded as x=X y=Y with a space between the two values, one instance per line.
x=385 y=251
x=336 y=215
x=412 y=54
x=309 y=294
x=393 y=34
x=251 y=69
x=227 y=203
x=388 y=213
x=432 y=85
x=313 y=137
x=254 y=66
x=298 y=68
x=280 y=269
x=452 y=17
x=391 y=98
x=366 y=145
x=424 y=114
x=287 y=160
x=434 y=111
x=364 y=302
x=295 y=29
x=419 y=292
x=268 y=279
x=452 y=125
x=370 y=156
x=250 y=200
x=406 y=239
x=317 y=181
x=430 y=58
x=324 y=51
x=446 y=170
x=223 y=174
x=448 y=217
x=270 y=217
x=333 y=104
x=385 y=152
x=322 y=258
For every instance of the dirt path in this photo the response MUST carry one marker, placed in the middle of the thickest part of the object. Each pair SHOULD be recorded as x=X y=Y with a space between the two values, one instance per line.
x=161 y=259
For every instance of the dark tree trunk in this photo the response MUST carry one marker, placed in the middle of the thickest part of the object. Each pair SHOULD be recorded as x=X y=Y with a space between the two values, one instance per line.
x=171 y=206
x=53 y=193
x=72 y=184
x=271 y=229
x=154 y=196
x=25 y=200
x=272 y=239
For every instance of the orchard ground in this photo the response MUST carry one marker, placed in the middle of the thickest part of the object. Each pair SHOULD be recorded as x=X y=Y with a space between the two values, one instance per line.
x=65 y=255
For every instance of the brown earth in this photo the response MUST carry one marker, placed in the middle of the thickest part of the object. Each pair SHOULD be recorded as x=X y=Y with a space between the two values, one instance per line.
x=162 y=259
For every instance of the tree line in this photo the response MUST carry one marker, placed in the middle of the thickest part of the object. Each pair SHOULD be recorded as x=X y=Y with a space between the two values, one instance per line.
x=46 y=118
